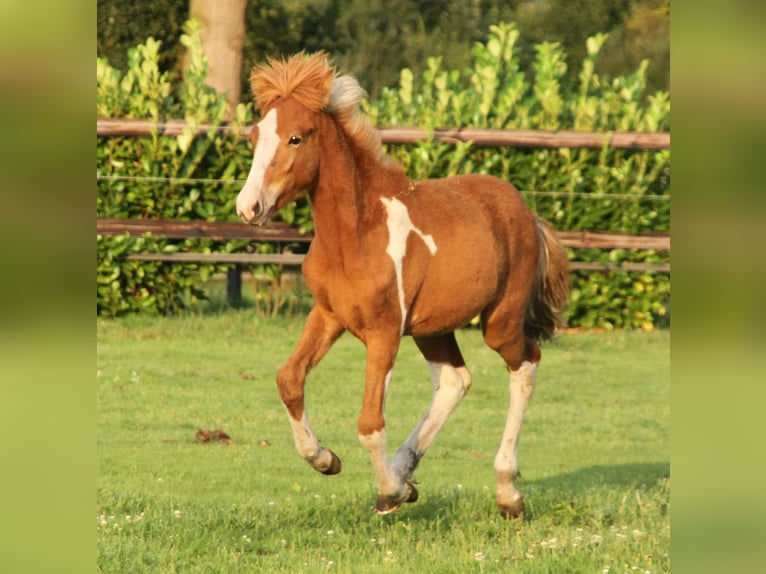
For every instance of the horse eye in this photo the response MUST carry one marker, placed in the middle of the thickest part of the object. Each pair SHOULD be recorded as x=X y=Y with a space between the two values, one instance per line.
x=295 y=140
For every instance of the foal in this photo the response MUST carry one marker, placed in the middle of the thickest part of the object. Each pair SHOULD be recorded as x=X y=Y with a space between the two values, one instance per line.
x=394 y=257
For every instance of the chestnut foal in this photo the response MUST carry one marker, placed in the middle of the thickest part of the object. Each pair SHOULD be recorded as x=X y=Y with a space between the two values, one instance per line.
x=394 y=257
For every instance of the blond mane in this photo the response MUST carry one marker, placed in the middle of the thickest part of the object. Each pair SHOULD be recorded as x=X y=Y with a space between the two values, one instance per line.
x=311 y=80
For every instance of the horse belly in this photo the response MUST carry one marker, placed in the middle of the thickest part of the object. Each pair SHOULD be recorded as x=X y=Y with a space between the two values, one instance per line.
x=453 y=294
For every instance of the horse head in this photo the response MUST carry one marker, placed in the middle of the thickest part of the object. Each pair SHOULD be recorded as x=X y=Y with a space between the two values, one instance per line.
x=290 y=96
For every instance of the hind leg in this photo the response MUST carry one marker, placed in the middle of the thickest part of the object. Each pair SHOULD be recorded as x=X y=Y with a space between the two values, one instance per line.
x=522 y=386
x=451 y=381
x=521 y=356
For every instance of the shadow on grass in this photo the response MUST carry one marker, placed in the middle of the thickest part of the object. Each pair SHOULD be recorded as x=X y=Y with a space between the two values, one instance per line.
x=565 y=493
x=636 y=475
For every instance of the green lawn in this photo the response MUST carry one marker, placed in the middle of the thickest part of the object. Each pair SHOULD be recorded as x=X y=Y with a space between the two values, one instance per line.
x=595 y=457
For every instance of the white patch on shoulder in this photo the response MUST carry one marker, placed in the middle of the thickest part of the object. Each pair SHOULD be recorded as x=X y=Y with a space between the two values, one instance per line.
x=399 y=228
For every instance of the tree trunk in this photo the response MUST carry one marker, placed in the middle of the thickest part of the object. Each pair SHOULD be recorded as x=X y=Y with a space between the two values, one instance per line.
x=223 y=36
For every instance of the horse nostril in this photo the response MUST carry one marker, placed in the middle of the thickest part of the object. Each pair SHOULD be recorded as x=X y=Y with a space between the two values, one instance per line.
x=257 y=209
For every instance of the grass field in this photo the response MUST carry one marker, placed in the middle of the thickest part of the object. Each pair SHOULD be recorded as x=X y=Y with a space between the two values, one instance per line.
x=594 y=454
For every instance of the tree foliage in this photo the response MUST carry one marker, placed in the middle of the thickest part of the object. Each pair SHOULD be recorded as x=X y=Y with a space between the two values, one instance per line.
x=123 y=24
x=638 y=30
x=374 y=39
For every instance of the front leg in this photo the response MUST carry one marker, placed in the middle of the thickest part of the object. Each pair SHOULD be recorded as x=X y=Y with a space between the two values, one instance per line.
x=392 y=490
x=322 y=329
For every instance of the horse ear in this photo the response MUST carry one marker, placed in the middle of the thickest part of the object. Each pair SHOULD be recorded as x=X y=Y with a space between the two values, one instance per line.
x=318 y=75
x=326 y=80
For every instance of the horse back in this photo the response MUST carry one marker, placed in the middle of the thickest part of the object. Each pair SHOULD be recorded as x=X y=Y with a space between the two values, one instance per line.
x=482 y=210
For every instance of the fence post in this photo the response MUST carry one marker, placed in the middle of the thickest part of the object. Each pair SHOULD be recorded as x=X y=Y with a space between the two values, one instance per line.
x=234 y=285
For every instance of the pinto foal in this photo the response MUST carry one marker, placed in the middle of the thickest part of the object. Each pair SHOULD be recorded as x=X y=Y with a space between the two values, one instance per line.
x=394 y=257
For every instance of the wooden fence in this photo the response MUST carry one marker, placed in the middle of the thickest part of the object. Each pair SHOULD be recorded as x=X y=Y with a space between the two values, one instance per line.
x=282 y=233
x=410 y=135
x=391 y=135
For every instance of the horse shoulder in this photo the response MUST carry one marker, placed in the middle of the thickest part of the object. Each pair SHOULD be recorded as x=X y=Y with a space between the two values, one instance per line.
x=356 y=284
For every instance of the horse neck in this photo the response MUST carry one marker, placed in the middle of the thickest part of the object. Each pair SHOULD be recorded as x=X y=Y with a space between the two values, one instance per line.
x=351 y=182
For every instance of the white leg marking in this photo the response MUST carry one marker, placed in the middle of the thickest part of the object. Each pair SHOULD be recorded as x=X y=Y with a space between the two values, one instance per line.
x=307 y=443
x=399 y=228
x=265 y=148
x=450 y=386
x=522 y=387
x=375 y=443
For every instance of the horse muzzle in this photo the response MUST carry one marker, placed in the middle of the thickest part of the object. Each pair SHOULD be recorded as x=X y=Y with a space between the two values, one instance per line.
x=255 y=214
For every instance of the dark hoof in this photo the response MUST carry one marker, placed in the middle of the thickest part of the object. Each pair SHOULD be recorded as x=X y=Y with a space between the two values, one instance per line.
x=512 y=511
x=334 y=467
x=386 y=504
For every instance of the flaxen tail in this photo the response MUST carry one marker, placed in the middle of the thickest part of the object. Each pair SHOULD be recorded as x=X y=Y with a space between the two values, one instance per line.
x=550 y=294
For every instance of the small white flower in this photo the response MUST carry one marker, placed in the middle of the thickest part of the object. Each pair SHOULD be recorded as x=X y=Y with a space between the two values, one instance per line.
x=177 y=513
x=330 y=533
x=478 y=556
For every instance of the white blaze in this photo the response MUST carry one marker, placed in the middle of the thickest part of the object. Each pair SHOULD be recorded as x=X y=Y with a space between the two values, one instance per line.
x=265 y=148
x=399 y=228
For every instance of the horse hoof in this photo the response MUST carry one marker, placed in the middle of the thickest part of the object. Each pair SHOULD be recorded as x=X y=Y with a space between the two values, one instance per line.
x=513 y=510
x=413 y=497
x=386 y=504
x=335 y=465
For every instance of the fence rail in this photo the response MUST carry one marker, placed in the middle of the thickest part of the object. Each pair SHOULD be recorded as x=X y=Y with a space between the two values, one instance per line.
x=223 y=230
x=283 y=233
x=410 y=135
